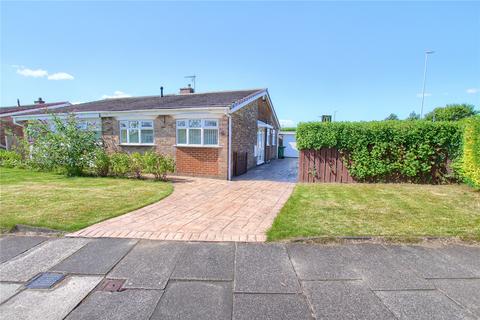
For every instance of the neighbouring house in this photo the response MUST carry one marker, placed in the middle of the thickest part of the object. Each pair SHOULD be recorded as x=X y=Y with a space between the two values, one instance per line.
x=11 y=131
x=214 y=134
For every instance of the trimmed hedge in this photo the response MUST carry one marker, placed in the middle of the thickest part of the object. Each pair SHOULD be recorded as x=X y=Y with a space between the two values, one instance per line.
x=469 y=165
x=389 y=151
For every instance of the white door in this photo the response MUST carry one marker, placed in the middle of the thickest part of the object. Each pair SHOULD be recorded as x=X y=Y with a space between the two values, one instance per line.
x=290 y=143
x=260 y=146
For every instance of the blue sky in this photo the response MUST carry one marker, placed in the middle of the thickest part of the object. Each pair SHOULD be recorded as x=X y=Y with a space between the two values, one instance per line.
x=364 y=60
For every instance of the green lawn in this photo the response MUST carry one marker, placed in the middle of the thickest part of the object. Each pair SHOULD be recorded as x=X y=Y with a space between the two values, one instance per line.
x=391 y=210
x=55 y=201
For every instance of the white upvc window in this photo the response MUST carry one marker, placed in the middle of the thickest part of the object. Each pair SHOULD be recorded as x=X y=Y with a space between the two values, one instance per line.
x=136 y=132
x=197 y=132
x=274 y=137
x=268 y=136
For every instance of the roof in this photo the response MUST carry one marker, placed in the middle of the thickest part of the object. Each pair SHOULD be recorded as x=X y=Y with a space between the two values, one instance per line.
x=24 y=108
x=185 y=101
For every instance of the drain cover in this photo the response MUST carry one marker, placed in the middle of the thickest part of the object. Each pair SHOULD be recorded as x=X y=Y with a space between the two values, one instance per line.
x=112 y=285
x=45 y=280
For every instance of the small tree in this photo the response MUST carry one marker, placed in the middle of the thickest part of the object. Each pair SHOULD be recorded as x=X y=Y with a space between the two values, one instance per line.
x=61 y=145
x=451 y=112
x=392 y=116
x=413 y=116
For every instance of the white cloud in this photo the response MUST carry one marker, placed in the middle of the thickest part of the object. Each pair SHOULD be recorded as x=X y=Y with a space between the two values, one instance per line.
x=26 y=72
x=116 y=94
x=473 y=90
x=60 y=76
x=286 y=123
x=427 y=94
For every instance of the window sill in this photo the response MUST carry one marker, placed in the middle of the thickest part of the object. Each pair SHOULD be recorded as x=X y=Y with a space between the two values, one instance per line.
x=137 y=144
x=196 y=146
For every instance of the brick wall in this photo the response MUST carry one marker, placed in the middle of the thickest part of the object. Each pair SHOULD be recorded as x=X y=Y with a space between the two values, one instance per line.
x=210 y=162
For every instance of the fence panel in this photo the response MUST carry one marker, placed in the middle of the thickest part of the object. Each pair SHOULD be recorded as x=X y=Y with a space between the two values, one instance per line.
x=322 y=166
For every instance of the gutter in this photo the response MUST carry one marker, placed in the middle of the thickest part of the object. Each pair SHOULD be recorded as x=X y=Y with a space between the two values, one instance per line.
x=229 y=175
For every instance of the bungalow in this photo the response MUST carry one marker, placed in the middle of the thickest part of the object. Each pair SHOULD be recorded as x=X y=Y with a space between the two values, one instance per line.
x=214 y=134
x=9 y=131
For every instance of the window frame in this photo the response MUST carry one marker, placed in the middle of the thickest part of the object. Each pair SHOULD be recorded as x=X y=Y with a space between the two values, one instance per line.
x=268 y=137
x=139 y=127
x=202 y=128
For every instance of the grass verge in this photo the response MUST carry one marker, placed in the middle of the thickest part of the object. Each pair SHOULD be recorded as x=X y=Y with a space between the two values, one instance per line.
x=387 y=210
x=57 y=202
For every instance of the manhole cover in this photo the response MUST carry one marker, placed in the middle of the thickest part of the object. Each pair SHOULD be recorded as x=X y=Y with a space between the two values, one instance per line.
x=112 y=285
x=45 y=280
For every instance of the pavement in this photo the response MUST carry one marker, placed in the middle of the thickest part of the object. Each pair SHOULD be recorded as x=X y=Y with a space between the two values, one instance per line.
x=109 y=278
x=202 y=209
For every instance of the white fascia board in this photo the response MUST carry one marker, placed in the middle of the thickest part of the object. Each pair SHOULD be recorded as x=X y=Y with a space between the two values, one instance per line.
x=287 y=132
x=164 y=112
x=34 y=109
x=262 y=124
x=83 y=115
x=262 y=93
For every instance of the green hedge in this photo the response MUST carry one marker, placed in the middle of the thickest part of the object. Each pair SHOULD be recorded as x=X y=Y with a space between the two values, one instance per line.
x=469 y=164
x=389 y=151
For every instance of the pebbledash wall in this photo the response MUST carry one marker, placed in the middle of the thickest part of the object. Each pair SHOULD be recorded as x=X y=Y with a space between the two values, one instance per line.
x=201 y=161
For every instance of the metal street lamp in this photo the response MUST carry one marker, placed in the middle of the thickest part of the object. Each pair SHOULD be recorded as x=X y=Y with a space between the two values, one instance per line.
x=424 y=79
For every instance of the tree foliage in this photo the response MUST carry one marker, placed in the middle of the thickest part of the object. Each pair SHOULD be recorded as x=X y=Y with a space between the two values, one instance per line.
x=413 y=151
x=392 y=116
x=451 y=112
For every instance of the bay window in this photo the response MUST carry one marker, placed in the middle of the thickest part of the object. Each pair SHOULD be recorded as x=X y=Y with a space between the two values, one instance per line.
x=197 y=132
x=136 y=132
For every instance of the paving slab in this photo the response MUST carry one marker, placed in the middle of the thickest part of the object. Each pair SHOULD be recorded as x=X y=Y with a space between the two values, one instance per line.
x=264 y=268
x=196 y=300
x=49 y=304
x=7 y=290
x=430 y=262
x=247 y=306
x=131 y=304
x=465 y=292
x=345 y=300
x=38 y=259
x=12 y=246
x=148 y=265
x=382 y=270
x=96 y=257
x=467 y=256
x=206 y=261
x=423 y=305
x=313 y=262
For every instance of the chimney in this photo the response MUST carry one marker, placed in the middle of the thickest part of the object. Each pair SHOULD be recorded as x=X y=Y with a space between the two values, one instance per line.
x=187 y=90
x=39 y=101
x=18 y=102
x=161 y=92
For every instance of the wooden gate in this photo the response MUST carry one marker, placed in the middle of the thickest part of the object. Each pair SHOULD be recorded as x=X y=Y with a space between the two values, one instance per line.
x=324 y=165
x=240 y=163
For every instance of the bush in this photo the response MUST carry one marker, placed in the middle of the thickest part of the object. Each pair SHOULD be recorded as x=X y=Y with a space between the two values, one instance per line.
x=158 y=165
x=136 y=164
x=101 y=165
x=68 y=147
x=413 y=151
x=120 y=164
x=10 y=159
x=469 y=164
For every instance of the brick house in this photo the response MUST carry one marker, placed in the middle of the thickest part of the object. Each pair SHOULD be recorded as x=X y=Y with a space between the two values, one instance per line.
x=9 y=130
x=215 y=134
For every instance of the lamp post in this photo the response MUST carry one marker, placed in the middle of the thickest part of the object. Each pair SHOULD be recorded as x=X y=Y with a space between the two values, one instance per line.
x=424 y=79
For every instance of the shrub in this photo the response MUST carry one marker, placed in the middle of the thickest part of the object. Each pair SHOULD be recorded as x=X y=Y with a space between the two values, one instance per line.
x=101 y=164
x=120 y=164
x=10 y=159
x=136 y=164
x=158 y=165
x=413 y=151
x=469 y=164
x=67 y=147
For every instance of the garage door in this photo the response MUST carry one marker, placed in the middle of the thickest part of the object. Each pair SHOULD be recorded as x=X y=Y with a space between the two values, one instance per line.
x=290 y=144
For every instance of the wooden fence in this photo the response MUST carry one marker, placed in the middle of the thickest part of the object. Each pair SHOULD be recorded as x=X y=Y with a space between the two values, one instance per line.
x=324 y=165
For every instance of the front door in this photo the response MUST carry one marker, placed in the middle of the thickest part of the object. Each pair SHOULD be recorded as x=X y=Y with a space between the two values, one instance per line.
x=260 y=146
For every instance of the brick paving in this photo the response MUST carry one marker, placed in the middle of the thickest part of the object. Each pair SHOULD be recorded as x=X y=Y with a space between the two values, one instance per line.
x=203 y=209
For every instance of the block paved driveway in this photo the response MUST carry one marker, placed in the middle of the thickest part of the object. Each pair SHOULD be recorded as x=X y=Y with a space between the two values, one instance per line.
x=209 y=210
x=205 y=280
